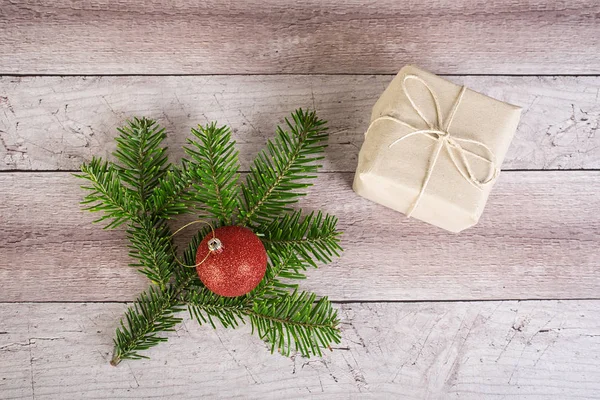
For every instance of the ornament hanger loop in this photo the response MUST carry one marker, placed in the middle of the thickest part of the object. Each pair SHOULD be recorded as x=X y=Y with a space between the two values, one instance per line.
x=214 y=244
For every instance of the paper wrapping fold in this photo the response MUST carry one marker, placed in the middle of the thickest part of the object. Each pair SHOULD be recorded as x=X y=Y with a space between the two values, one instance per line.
x=412 y=162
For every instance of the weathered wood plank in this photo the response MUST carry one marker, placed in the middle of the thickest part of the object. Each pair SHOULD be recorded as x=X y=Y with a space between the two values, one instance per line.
x=492 y=350
x=279 y=36
x=53 y=123
x=538 y=238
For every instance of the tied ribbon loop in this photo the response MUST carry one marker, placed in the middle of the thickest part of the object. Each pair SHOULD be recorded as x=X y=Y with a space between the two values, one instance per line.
x=440 y=132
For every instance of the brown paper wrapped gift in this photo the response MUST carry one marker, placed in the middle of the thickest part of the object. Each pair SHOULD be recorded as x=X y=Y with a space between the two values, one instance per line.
x=434 y=149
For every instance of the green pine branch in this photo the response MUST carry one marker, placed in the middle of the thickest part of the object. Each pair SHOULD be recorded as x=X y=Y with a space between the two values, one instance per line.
x=279 y=171
x=213 y=166
x=106 y=194
x=151 y=247
x=287 y=320
x=296 y=321
x=152 y=313
x=171 y=196
x=205 y=307
x=283 y=269
x=145 y=191
x=155 y=309
x=314 y=236
x=144 y=161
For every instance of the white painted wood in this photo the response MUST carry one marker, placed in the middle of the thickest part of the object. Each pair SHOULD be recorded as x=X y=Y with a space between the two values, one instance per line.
x=538 y=350
x=53 y=123
x=313 y=36
x=539 y=237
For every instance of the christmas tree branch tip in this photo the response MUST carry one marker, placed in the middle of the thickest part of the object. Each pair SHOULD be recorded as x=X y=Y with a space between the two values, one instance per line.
x=258 y=245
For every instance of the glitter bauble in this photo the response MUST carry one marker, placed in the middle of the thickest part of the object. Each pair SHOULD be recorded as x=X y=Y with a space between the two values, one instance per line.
x=234 y=263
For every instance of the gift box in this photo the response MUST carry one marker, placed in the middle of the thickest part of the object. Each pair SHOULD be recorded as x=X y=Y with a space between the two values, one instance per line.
x=433 y=150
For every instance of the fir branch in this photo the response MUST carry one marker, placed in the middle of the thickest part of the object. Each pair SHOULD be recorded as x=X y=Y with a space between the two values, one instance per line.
x=283 y=267
x=153 y=312
x=144 y=161
x=213 y=165
x=204 y=306
x=107 y=194
x=282 y=168
x=313 y=236
x=151 y=247
x=155 y=308
x=296 y=321
x=171 y=195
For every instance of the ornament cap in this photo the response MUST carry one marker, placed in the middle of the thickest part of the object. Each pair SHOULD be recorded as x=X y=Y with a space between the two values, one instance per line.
x=215 y=245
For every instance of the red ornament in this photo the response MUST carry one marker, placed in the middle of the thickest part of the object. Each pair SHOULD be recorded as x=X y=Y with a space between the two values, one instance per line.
x=234 y=263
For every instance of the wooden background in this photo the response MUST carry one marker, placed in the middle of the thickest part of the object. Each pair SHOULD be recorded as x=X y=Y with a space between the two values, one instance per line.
x=508 y=308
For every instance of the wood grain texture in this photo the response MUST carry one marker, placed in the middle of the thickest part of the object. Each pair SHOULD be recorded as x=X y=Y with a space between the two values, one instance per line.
x=53 y=123
x=494 y=350
x=279 y=36
x=539 y=237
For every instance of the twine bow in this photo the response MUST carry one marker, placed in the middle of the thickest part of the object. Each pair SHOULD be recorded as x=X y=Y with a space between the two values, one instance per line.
x=440 y=132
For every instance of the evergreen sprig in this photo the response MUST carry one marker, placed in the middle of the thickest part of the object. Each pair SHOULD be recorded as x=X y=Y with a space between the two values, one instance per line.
x=152 y=248
x=312 y=236
x=214 y=166
x=143 y=191
x=153 y=312
x=279 y=171
x=171 y=196
x=143 y=160
x=296 y=321
x=107 y=194
x=283 y=269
